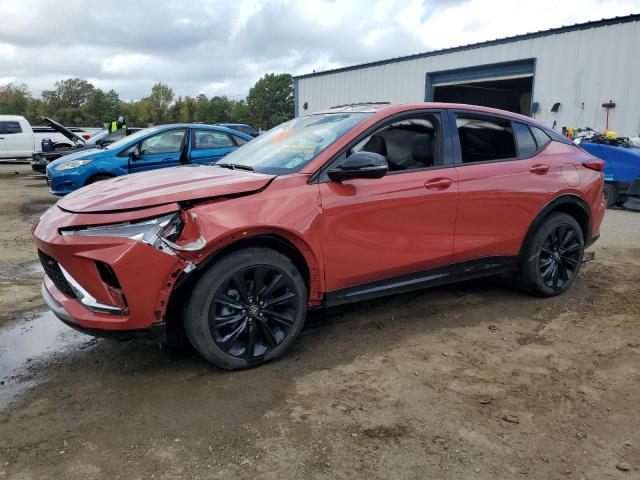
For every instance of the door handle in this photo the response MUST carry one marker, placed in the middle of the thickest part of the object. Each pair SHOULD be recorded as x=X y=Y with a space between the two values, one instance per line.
x=438 y=183
x=539 y=169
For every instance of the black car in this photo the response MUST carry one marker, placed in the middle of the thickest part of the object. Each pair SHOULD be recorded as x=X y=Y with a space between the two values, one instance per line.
x=241 y=127
x=40 y=160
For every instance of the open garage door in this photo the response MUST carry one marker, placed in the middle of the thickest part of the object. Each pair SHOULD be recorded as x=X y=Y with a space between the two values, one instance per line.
x=508 y=86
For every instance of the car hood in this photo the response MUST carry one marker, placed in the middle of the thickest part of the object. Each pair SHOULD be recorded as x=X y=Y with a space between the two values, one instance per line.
x=64 y=131
x=164 y=186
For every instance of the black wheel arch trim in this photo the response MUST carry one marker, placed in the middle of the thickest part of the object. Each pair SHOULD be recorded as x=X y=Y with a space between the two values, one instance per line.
x=273 y=241
x=556 y=205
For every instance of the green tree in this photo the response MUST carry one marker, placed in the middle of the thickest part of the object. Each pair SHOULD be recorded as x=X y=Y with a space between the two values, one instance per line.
x=101 y=107
x=17 y=100
x=271 y=100
x=220 y=109
x=66 y=101
x=240 y=113
x=188 y=110
x=14 y=99
x=34 y=111
x=159 y=102
x=202 y=113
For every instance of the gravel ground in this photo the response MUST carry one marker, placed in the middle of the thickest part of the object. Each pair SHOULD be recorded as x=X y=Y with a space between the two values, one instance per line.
x=475 y=380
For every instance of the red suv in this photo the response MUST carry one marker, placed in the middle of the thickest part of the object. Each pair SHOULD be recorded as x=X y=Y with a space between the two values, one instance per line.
x=344 y=205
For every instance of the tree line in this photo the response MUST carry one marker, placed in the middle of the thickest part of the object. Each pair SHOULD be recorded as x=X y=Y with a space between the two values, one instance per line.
x=77 y=102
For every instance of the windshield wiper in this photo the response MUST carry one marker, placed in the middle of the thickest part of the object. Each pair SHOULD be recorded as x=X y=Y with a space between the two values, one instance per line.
x=235 y=166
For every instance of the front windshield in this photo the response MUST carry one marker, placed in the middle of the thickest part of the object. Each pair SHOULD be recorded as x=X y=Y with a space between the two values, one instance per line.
x=290 y=146
x=130 y=138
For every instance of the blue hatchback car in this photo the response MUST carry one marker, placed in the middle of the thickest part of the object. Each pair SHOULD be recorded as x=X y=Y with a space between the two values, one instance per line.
x=155 y=147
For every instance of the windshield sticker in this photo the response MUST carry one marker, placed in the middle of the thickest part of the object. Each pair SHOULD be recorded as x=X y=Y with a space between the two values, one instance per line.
x=283 y=135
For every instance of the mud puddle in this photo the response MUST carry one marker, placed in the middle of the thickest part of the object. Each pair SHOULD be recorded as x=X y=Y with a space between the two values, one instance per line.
x=28 y=269
x=27 y=344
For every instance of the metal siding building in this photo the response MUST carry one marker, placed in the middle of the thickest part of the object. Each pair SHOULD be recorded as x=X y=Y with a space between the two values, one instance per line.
x=580 y=66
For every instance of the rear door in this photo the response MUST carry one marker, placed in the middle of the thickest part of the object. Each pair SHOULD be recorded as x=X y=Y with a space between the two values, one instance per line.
x=505 y=178
x=403 y=223
x=208 y=146
x=18 y=140
x=164 y=149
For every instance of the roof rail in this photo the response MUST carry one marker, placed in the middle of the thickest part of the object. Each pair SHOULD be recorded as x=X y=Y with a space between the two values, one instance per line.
x=357 y=104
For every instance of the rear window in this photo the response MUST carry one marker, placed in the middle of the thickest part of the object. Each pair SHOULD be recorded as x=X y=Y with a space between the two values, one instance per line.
x=10 y=127
x=209 y=139
x=526 y=143
x=541 y=138
x=484 y=139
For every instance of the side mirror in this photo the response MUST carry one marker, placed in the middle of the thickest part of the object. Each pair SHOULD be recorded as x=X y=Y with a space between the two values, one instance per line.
x=360 y=165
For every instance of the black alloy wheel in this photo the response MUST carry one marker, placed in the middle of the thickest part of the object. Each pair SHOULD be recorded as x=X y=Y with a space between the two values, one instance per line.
x=552 y=256
x=560 y=256
x=247 y=308
x=253 y=311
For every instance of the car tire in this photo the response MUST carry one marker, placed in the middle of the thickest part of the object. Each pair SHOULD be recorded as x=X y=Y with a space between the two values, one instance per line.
x=247 y=308
x=98 y=178
x=553 y=256
x=610 y=194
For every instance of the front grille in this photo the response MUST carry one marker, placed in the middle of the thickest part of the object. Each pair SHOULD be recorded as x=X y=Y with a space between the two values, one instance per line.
x=52 y=270
x=48 y=175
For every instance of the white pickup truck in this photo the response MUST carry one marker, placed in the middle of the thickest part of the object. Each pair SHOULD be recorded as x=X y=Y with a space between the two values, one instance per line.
x=19 y=140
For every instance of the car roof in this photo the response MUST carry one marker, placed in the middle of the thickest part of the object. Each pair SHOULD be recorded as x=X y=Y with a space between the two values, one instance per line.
x=11 y=117
x=386 y=109
x=202 y=126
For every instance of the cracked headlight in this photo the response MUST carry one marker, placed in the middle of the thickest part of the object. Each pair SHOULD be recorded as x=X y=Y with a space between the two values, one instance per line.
x=73 y=164
x=154 y=231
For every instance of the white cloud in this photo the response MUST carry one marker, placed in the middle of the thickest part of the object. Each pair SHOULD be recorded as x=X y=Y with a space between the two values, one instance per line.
x=480 y=20
x=220 y=47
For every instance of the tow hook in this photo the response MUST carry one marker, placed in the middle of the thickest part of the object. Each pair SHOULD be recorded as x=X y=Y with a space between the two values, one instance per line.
x=588 y=256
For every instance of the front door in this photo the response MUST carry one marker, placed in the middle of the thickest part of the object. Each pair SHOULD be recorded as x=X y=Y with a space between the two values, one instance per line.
x=209 y=146
x=165 y=149
x=399 y=224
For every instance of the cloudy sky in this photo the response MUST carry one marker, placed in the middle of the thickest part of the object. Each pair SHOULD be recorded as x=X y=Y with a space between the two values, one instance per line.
x=223 y=46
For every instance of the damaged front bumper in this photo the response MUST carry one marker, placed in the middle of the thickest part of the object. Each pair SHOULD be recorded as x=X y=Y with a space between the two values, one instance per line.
x=105 y=286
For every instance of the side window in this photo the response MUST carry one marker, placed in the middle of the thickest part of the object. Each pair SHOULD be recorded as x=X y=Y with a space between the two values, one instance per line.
x=210 y=139
x=484 y=139
x=541 y=138
x=526 y=143
x=408 y=144
x=165 y=142
x=11 y=127
x=239 y=140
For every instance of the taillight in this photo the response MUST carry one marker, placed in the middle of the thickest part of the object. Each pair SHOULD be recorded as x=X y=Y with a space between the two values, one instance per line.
x=595 y=164
x=86 y=136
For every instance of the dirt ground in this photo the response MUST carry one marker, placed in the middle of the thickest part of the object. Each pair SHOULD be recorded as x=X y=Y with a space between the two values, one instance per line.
x=471 y=381
x=22 y=199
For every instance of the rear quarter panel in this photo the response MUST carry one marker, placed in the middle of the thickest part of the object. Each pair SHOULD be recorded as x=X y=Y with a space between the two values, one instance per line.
x=499 y=201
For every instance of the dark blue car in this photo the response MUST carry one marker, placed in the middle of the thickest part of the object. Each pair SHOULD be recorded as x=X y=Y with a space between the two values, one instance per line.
x=155 y=147
x=241 y=127
x=621 y=169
